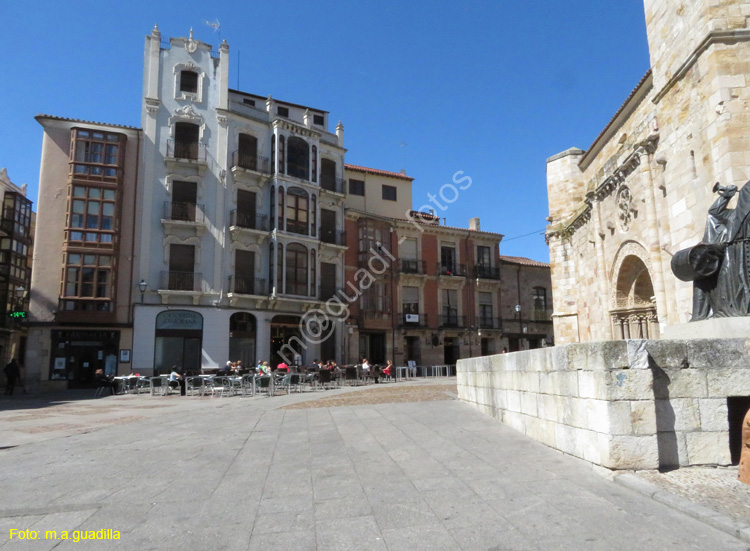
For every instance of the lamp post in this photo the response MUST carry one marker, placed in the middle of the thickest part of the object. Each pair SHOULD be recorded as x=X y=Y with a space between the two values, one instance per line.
x=142 y=286
x=520 y=329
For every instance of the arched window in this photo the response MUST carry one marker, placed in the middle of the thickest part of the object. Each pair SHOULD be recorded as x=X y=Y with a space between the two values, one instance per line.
x=282 y=143
x=313 y=273
x=314 y=163
x=296 y=269
x=270 y=269
x=297 y=208
x=279 y=267
x=281 y=208
x=298 y=164
x=313 y=215
x=272 y=214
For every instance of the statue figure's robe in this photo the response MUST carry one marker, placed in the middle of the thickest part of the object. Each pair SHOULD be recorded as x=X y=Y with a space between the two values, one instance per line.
x=727 y=292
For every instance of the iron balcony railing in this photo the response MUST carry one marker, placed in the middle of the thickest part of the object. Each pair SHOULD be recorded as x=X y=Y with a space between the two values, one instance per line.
x=413 y=320
x=193 y=151
x=183 y=212
x=489 y=323
x=487 y=272
x=247 y=285
x=451 y=269
x=407 y=266
x=331 y=183
x=298 y=171
x=452 y=320
x=181 y=281
x=332 y=236
x=249 y=221
x=541 y=315
x=251 y=162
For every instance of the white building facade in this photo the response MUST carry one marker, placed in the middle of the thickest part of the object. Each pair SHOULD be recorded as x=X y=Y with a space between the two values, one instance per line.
x=240 y=216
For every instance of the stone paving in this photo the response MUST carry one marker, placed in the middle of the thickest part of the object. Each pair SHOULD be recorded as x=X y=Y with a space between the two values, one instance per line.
x=247 y=474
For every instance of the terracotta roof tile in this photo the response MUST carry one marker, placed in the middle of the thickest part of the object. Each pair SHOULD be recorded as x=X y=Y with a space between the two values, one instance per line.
x=378 y=171
x=523 y=261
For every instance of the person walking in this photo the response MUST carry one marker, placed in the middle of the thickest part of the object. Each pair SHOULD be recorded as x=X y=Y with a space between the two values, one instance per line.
x=12 y=372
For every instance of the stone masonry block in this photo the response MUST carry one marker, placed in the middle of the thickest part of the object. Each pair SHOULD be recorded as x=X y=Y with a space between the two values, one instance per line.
x=574 y=412
x=667 y=354
x=563 y=383
x=498 y=362
x=566 y=440
x=642 y=417
x=547 y=406
x=598 y=355
x=630 y=384
x=714 y=415
x=678 y=414
x=538 y=359
x=632 y=452
x=708 y=448
x=728 y=382
x=620 y=421
x=528 y=404
x=559 y=357
x=687 y=383
x=592 y=384
x=597 y=415
x=514 y=401
x=718 y=353
x=588 y=442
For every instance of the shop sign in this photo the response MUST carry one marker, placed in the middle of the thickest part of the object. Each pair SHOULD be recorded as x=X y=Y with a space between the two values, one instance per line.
x=179 y=320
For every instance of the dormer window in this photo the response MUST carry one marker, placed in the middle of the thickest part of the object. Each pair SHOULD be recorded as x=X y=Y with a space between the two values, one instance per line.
x=189 y=82
x=319 y=120
x=282 y=111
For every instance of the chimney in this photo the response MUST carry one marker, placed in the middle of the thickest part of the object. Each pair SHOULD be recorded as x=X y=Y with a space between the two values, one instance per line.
x=340 y=133
x=474 y=224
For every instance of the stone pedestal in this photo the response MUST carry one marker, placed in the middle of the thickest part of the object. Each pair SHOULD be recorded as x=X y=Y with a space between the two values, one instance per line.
x=715 y=328
x=636 y=404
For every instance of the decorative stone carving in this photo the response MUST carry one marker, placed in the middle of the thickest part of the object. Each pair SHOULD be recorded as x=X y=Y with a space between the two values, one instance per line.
x=624 y=212
x=190 y=44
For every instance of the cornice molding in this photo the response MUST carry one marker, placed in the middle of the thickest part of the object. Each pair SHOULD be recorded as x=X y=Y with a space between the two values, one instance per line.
x=713 y=37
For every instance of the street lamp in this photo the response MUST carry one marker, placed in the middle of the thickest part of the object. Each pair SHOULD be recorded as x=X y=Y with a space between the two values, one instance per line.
x=520 y=329
x=142 y=286
x=20 y=292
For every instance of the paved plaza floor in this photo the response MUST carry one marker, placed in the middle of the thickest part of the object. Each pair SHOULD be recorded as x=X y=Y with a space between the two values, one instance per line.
x=364 y=472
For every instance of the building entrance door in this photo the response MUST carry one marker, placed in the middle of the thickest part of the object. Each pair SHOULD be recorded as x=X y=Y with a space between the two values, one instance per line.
x=450 y=350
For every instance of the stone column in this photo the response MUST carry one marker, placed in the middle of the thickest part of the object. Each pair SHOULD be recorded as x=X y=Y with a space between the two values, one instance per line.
x=654 y=245
x=601 y=266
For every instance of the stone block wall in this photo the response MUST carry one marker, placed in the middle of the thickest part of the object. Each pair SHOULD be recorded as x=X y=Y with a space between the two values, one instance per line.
x=636 y=404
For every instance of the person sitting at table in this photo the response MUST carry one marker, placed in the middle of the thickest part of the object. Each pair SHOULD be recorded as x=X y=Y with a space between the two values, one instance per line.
x=175 y=380
x=263 y=369
x=282 y=367
x=103 y=381
x=388 y=369
x=225 y=370
x=238 y=367
x=365 y=367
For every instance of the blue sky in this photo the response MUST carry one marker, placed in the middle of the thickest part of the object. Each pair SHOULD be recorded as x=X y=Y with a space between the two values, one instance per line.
x=488 y=88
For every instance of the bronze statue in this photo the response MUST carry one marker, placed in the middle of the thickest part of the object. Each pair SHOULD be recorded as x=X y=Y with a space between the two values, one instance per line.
x=719 y=266
x=744 y=475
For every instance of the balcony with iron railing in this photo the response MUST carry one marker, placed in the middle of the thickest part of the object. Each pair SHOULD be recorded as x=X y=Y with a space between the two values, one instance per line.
x=247 y=285
x=409 y=266
x=457 y=270
x=489 y=323
x=183 y=212
x=452 y=321
x=413 y=320
x=186 y=151
x=248 y=221
x=539 y=314
x=486 y=272
x=333 y=236
x=181 y=281
x=247 y=161
x=333 y=184
x=298 y=171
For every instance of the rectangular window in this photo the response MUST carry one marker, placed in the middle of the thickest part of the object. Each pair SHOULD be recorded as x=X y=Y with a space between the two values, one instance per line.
x=450 y=307
x=540 y=299
x=389 y=193
x=319 y=120
x=95 y=155
x=248 y=101
x=184 y=195
x=88 y=276
x=357 y=187
x=297 y=207
x=485 y=310
x=91 y=215
x=483 y=257
x=282 y=111
x=410 y=301
x=181 y=267
x=448 y=259
x=244 y=272
x=189 y=82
